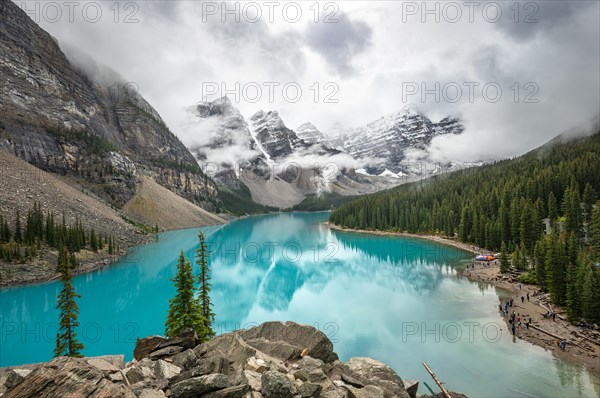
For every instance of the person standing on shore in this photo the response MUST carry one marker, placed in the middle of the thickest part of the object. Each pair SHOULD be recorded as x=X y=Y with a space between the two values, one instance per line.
x=563 y=344
x=522 y=299
x=527 y=296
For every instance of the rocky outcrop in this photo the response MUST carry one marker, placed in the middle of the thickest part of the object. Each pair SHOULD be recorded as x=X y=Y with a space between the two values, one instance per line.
x=59 y=117
x=273 y=360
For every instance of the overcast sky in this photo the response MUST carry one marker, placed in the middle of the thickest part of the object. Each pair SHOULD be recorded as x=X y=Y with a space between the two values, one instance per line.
x=371 y=57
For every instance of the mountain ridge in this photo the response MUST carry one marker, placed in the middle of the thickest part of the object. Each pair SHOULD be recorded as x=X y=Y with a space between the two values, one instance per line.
x=60 y=120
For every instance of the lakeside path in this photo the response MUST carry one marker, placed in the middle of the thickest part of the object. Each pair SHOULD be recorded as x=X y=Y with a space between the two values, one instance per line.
x=579 y=351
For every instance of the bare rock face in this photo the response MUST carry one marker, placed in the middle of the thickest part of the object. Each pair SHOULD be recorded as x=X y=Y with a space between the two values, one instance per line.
x=272 y=360
x=58 y=118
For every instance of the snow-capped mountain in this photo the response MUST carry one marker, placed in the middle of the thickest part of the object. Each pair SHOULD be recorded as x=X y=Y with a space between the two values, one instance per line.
x=382 y=144
x=272 y=136
x=280 y=166
x=309 y=133
x=220 y=133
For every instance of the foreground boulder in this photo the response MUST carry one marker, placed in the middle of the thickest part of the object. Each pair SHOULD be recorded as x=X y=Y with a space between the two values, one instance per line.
x=273 y=360
x=68 y=377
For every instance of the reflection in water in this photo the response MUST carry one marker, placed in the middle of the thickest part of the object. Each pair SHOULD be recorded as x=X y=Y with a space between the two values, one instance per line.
x=399 y=300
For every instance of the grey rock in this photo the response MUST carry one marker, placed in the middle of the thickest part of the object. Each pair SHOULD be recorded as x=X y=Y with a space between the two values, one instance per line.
x=199 y=385
x=310 y=363
x=145 y=346
x=139 y=373
x=316 y=375
x=15 y=377
x=165 y=370
x=351 y=381
x=378 y=373
x=165 y=352
x=369 y=391
x=103 y=365
x=282 y=340
x=186 y=339
x=67 y=377
x=151 y=393
x=309 y=390
x=185 y=359
x=253 y=379
x=230 y=392
x=205 y=366
x=231 y=346
x=276 y=385
x=256 y=364
x=412 y=386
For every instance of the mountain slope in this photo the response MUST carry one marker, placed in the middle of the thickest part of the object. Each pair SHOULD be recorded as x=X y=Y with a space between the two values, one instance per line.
x=23 y=184
x=154 y=204
x=53 y=115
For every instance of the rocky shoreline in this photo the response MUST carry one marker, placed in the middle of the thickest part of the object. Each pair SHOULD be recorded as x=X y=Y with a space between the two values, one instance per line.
x=44 y=270
x=581 y=350
x=272 y=360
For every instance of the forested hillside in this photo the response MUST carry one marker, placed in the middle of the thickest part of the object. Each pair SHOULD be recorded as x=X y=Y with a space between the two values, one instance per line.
x=541 y=207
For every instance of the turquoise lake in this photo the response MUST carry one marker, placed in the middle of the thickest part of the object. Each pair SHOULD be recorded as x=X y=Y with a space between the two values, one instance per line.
x=402 y=301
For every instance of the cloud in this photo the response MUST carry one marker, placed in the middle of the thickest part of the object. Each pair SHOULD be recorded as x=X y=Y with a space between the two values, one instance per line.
x=525 y=19
x=338 y=43
x=368 y=55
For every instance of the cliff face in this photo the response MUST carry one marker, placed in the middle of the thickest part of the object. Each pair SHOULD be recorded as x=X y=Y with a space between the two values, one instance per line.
x=56 y=117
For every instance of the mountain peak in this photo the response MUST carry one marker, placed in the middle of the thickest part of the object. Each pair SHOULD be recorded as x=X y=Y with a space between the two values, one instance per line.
x=309 y=133
x=220 y=106
x=270 y=120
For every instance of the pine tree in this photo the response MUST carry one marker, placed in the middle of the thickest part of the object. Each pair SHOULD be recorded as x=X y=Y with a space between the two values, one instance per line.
x=594 y=231
x=6 y=232
x=184 y=309
x=504 y=262
x=2 y=237
x=66 y=337
x=572 y=209
x=591 y=294
x=204 y=287
x=588 y=198
x=93 y=241
x=518 y=260
x=556 y=270
x=18 y=237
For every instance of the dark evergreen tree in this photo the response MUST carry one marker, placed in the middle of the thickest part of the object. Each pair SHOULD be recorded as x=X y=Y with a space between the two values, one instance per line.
x=504 y=262
x=93 y=241
x=594 y=231
x=18 y=237
x=204 y=299
x=589 y=197
x=184 y=309
x=66 y=337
